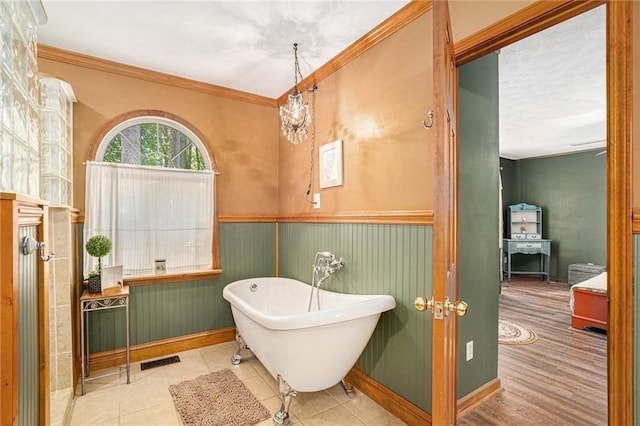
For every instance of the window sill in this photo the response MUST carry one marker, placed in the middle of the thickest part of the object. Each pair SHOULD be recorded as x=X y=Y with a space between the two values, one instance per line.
x=172 y=277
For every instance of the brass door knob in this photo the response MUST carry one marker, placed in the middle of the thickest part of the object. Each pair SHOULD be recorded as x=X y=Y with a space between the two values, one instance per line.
x=422 y=303
x=459 y=307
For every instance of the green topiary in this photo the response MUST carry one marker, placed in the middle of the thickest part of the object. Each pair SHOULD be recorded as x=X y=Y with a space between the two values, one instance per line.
x=98 y=246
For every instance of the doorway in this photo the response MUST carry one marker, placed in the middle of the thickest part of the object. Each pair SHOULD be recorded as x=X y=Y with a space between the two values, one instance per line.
x=618 y=171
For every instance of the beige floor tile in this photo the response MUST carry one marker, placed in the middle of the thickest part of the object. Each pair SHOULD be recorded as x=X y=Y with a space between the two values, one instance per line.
x=188 y=370
x=340 y=395
x=109 y=401
x=308 y=404
x=159 y=415
x=259 y=388
x=333 y=417
x=60 y=402
x=264 y=373
x=140 y=396
x=370 y=412
x=99 y=407
x=244 y=370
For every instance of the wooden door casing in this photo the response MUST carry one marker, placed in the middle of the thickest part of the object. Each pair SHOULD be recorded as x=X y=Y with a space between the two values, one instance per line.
x=445 y=228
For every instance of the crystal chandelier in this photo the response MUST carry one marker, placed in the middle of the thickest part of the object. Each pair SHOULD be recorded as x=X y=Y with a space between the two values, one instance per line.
x=295 y=116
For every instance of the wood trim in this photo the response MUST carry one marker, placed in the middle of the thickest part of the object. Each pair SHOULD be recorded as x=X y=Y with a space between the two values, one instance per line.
x=405 y=410
x=485 y=391
x=76 y=216
x=388 y=27
x=115 y=357
x=215 y=243
x=8 y=311
x=233 y=218
x=636 y=220
x=620 y=348
x=43 y=324
x=21 y=198
x=117 y=68
x=416 y=217
x=171 y=278
x=409 y=217
x=530 y=20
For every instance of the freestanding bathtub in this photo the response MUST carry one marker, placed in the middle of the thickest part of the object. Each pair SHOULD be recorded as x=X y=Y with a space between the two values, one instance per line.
x=309 y=351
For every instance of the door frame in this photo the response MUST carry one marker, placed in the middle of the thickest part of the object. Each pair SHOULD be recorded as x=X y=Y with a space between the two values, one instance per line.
x=535 y=18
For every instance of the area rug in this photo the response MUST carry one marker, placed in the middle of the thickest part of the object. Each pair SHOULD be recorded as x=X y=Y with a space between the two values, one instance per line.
x=218 y=398
x=513 y=334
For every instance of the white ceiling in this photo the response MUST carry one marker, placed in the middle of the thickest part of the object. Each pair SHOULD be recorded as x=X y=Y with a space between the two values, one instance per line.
x=243 y=45
x=552 y=85
x=553 y=89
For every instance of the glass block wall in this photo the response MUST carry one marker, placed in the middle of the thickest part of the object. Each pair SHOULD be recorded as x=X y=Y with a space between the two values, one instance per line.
x=19 y=100
x=56 y=150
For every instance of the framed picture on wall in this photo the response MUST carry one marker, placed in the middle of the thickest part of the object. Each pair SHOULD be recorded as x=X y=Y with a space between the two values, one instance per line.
x=330 y=164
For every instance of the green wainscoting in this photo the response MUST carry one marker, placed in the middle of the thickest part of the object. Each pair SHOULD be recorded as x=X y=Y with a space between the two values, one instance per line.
x=571 y=189
x=169 y=310
x=29 y=360
x=379 y=259
x=479 y=253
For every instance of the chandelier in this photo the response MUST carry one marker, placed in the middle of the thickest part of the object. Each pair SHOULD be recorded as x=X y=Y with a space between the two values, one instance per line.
x=295 y=116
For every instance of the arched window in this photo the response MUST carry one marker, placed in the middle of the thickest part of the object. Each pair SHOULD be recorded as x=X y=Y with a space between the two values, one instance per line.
x=151 y=191
x=153 y=141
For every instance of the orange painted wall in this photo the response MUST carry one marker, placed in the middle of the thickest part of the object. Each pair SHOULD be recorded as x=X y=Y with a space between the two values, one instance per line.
x=470 y=16
x=375 y=105
x=241 y=135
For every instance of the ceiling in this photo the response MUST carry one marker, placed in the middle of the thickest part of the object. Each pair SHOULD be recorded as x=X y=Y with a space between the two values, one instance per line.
x=243 y=45
x=553 y=90
x=552 y=85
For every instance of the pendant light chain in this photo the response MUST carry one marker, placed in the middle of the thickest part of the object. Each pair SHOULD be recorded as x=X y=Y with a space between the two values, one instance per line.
x=313 y=143
x=296 y=68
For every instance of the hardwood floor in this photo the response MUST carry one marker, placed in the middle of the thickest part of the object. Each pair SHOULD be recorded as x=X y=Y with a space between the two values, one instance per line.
x=559 y=380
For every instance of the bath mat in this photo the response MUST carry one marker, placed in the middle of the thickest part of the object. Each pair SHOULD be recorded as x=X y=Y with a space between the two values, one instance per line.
x=514 y=334
x=159 y=362
x=217 y=398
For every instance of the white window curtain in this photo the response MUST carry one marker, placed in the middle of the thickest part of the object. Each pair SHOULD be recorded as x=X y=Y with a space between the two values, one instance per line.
x=150 y=213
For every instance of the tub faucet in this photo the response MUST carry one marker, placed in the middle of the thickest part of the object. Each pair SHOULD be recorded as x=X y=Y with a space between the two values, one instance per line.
x=325 y=264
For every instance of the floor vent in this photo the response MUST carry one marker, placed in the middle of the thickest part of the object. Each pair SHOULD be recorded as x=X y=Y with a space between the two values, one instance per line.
x=159 y=362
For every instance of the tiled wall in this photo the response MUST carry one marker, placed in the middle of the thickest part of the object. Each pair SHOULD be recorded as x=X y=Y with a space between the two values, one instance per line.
x=60 y=337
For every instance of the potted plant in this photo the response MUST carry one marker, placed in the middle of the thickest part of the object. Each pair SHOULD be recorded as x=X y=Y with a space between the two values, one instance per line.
x=97 y=246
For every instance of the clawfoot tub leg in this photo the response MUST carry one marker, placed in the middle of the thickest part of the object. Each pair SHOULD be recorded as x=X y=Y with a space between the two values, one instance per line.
x=348 y=389
x=236 y=358
x=281 y=418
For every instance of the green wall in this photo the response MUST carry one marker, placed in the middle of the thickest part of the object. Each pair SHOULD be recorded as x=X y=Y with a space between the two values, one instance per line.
x=168 y=310
x=379 y=259
x=509 y=187
x=479 y=253
x=571 y=189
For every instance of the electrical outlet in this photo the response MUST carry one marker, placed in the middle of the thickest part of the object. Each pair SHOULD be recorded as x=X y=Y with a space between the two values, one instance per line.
x=316 y=200
x=470 y=350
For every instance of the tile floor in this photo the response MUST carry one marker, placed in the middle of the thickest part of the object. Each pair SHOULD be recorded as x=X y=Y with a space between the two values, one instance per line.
x=146 y=400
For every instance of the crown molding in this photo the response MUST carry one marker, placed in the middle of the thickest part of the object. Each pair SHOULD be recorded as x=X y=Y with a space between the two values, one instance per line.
x=117 y=68
x=388 y=27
